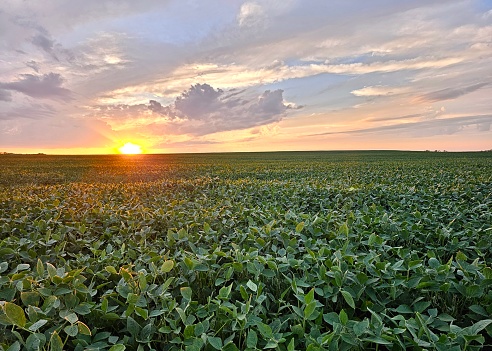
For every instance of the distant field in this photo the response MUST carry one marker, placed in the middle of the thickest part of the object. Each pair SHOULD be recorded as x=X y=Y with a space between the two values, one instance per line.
x=285 y=251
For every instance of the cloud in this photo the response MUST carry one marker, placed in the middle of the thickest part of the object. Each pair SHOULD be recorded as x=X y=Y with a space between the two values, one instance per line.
x=60 y=17
x=216 y=112
x=485 y=126
x=32 y=111
x=450 y=93
x=378 y=90
x=442 y=126
x=271 y=102
x=34 y=65
x=237 y=75
x=156 y=107
x=45 y=86
x=201 y=110
x=199 y=101
x=251 y=14
x=43 y=42
x=54 y=50
x=395 y=118
x=5 y=95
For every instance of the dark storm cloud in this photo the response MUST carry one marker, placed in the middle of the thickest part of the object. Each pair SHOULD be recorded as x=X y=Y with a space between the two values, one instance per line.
x=36 y=86
x=450 y=93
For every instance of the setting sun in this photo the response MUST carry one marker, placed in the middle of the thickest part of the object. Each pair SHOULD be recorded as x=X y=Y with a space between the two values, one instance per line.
x=130 y=149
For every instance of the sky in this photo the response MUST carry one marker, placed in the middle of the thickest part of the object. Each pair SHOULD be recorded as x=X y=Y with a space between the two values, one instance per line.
x=86 y=77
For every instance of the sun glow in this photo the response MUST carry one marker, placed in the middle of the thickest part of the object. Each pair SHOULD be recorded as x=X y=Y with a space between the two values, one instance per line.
x=130 y=149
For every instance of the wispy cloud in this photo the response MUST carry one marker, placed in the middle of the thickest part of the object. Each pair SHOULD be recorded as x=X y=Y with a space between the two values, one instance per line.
x=450 y=93
x=379 y=90
x=45 y=86
x=34 y=65
x=395 y=118
x=251 y=15
x=233 y=75
x=425 y=127
x=29 y=112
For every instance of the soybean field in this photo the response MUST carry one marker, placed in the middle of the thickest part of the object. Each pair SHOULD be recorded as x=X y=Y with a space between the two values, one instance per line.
x=370 y=250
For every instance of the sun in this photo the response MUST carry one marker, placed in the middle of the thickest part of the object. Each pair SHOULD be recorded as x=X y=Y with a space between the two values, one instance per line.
x=130 y=149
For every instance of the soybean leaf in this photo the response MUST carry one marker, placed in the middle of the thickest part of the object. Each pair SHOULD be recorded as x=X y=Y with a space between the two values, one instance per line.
x=56 y=343
x=83 y=329
x=265 y=330
x=3 y=266
x=35 y=326
x=348 y=298
x=378 y=340
x=167 y=266
x=33 y=342
x=216 y=342
x=111 y=269
x=290 y=346
x=299 y=227
x=343 y=317
x=51 y=270
x=14 y=347
x=40 y=268
x=71 y=330
x=132 y=326
x=15 y=314
x=308 y=311
x=251 y=339
x=72 y=318
x=186 y=292
x=361 y=327
x=479 y=326
x=309 y=297
x=252 y=286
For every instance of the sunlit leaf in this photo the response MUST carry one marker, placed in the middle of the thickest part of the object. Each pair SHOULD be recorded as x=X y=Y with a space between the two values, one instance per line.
x=56 y=343
x=15 y=314
x=167 y=266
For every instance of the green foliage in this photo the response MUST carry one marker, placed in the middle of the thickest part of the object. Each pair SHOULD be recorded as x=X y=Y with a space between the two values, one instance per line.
x=284 y=251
